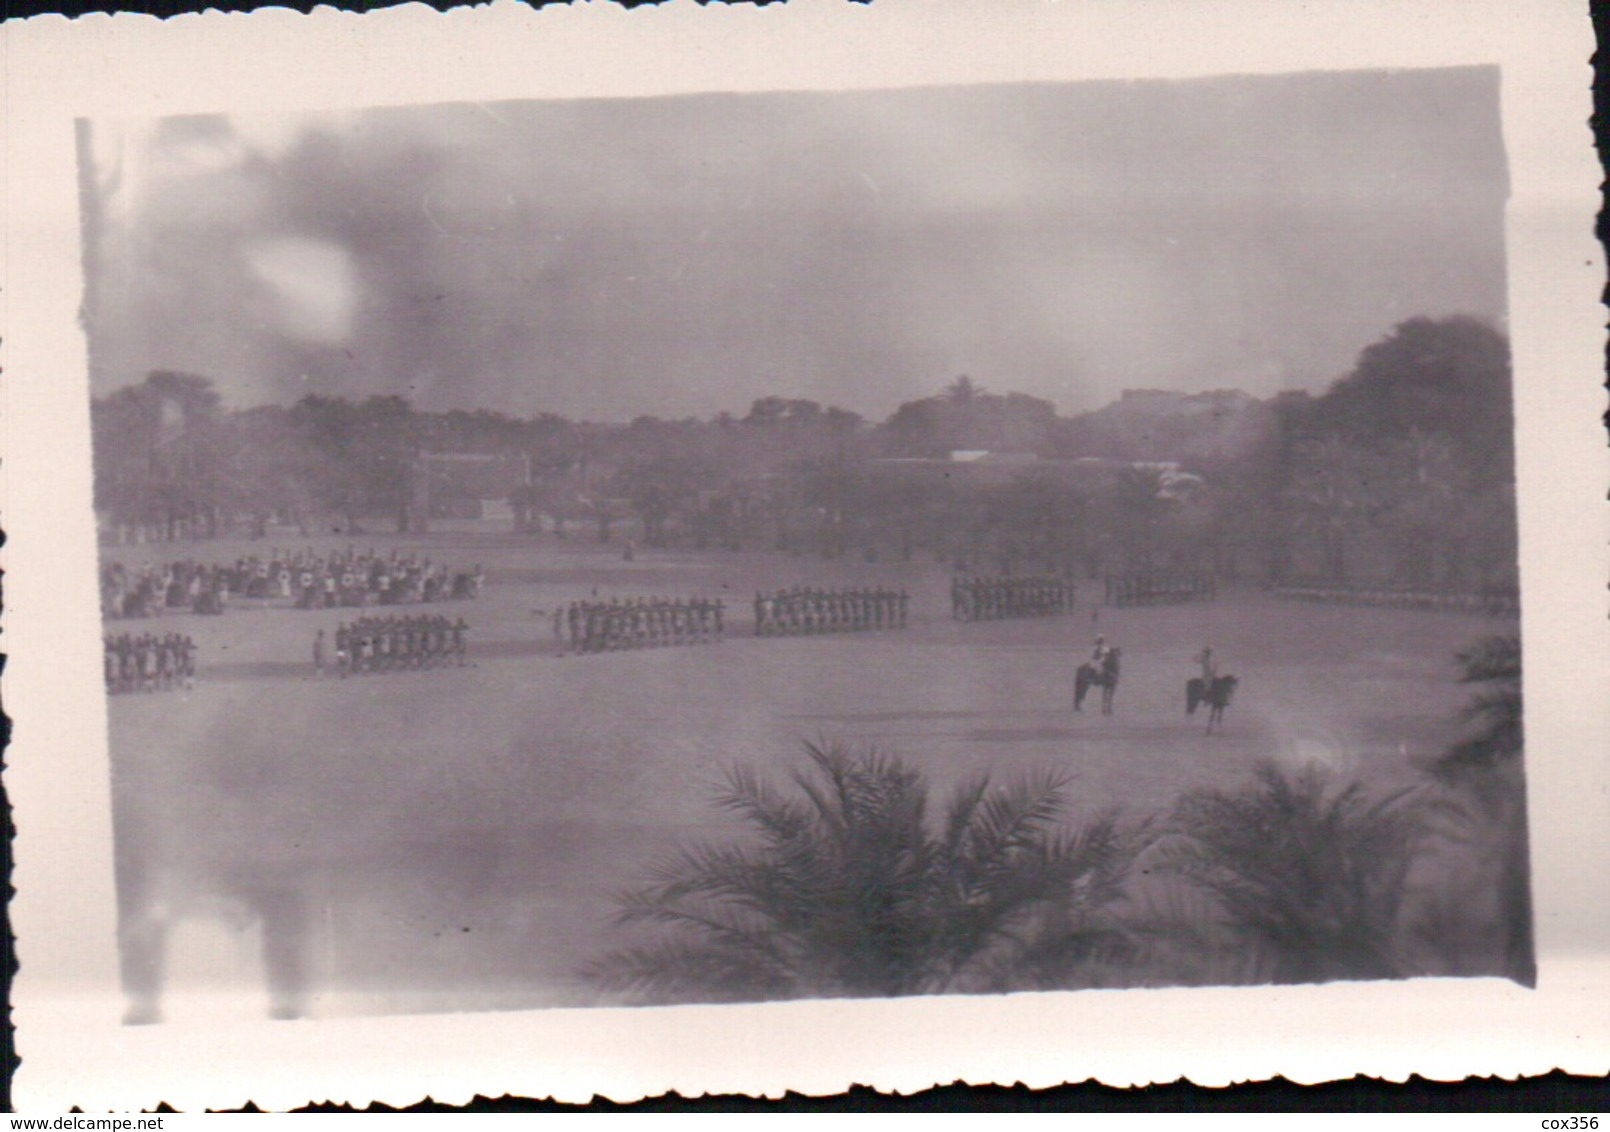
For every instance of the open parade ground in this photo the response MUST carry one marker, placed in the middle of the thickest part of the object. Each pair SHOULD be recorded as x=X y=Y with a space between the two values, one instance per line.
x=958 y=401
x=937 y=537
x=451 y=839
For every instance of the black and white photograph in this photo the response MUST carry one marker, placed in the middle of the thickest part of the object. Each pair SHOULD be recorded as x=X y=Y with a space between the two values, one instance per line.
x=801 y=545
x=725 y=548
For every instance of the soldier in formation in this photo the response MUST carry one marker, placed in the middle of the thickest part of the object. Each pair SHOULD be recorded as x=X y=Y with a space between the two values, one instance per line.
x=1171 y=587
x=394 y=643
x=1492 y=602
x=145 y=662
x=643 y=623
x=803 y=611
x=995 y=599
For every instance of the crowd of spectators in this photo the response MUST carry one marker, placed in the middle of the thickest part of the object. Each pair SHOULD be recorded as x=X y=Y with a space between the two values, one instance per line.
x=302 y=579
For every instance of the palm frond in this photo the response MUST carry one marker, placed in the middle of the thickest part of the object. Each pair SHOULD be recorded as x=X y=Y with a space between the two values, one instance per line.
x=1492 y=658
x=849 y=890
x=1010 y=818
x=750 y=797
x=1314 y=873
x=1495 y=713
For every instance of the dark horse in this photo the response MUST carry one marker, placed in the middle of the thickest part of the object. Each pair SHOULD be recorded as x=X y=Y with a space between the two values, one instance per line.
x=1216 y=697
x=1105 y=678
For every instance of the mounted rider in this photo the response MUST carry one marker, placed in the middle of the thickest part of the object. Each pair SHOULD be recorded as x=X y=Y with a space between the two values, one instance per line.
x=1100 y=671
x=1098 y=658
x=1211 y=689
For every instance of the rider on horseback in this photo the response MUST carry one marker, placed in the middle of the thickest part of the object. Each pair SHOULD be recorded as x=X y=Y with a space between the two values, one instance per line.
x=1211 y=689
x=1100 y=671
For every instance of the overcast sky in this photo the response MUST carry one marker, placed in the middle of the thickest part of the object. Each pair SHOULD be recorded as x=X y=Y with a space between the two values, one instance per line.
x=680 y=256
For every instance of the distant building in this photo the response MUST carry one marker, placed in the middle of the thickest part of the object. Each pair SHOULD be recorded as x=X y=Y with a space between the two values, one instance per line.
x=980 y=456
x=977 y=468
x=1164 y=424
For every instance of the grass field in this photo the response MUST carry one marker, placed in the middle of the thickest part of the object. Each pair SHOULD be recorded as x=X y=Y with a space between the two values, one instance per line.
x=454 y=836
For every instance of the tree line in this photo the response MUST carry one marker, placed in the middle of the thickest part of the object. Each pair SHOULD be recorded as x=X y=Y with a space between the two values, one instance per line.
x=1401 y=470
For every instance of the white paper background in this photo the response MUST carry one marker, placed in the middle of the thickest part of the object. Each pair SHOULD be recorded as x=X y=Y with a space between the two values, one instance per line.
x=66 y=998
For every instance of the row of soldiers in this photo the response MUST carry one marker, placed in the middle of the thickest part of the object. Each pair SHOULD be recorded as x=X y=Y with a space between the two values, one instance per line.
x=394 y=643
x=996 y=599
x=641 y=623
x=1164 y=587
x=145 y=662
x=1493 y=603
x=802 y=611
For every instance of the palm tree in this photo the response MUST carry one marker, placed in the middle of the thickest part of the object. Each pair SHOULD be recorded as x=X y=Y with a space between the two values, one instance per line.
x=850 y=890
x=963 y=391
x=1486 y=799
x=1494 y=664
x=1309 y=879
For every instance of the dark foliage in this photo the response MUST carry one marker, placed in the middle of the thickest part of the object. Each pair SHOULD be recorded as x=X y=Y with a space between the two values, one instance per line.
x=1441 y=377
x=1401 y=473
x=1309 y=876
x=1482 y=815
x=849 y=888
x=1494 y=664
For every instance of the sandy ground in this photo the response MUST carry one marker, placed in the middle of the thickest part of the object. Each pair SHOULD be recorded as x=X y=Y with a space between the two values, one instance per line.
x=453 y=837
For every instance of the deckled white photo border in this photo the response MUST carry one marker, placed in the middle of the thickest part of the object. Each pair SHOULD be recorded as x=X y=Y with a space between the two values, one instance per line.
x=66 y=998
